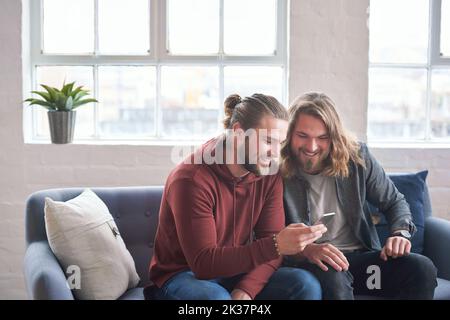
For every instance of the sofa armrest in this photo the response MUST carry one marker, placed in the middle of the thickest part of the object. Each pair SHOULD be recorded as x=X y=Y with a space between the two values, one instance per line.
x=44 y=278
x=436 y=244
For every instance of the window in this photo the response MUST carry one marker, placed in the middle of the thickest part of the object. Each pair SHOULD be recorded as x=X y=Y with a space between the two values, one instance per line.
x=160 y=69
x=409 y=71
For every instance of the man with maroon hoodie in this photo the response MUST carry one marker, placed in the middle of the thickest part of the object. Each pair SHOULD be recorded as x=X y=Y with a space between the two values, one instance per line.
x=221 y=232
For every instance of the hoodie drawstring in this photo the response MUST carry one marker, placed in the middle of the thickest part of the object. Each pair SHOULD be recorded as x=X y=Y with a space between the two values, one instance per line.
x=234 y=214
x=250 y=238
x=253 y=209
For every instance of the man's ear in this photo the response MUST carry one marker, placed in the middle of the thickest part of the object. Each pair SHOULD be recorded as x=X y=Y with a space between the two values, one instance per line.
x=236 y=126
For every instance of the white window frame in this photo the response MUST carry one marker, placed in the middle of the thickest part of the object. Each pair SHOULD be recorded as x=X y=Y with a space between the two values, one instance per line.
x=434 y=61
x=157 y=56
x=435 y=54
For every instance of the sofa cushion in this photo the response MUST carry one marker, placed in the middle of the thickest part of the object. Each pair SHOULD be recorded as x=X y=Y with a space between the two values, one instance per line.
x=442 y=291
x=133 y=294
x=412 y=186
x=82 y=233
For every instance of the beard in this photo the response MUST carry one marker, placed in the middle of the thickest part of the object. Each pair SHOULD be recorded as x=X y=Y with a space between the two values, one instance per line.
x=253 y=168
x=253 y=165
x=260 y=170
x=249 y=163
x=311 y=165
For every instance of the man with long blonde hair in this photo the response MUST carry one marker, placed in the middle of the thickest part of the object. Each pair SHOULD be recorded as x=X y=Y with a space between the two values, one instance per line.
x=326 y=170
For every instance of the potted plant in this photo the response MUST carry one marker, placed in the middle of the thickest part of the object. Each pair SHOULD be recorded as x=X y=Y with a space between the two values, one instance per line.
x=61 y=105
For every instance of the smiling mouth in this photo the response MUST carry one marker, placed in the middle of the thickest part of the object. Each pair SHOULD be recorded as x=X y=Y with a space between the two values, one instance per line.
x=310 y=154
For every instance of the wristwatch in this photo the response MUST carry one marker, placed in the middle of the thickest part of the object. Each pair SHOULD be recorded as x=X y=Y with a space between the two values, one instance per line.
x=402 y=233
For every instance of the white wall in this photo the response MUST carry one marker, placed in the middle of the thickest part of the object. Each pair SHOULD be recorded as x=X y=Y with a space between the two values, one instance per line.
x=329 y=49
x=329 y=45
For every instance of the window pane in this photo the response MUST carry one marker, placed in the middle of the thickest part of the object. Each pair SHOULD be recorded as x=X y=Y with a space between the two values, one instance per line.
x=250 y=31
x=445 y=28
x=68 y=26
x=440 y=107
x=246 y=81
x=397 y=103
x=123 y=26
x=190 y=100
x=127 y=100
x=398 y=31
x=54 y=76
x=193 y=26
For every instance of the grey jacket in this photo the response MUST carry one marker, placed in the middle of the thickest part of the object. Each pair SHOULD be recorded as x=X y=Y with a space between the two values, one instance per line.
x=370 y=183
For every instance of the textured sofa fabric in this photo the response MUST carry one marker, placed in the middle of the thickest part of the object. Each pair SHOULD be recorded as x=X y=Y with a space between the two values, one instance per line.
x=135 y=211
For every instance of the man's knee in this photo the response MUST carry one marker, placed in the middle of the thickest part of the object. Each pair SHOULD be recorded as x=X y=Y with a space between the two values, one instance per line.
x=206 y=290
x=422 y=269
x=302 y=284
x=336 y=285
x=214 y=293
x=185 y=286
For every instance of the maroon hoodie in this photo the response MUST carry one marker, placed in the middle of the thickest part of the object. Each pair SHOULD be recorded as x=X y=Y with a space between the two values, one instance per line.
x=206 y=221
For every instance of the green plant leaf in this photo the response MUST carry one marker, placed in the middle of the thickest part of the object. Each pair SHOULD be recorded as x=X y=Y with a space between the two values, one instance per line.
x=69 y=103
x=46 y=105
x=44 y=95
x=81 y=102
x=56 y=89
x=65 y=99
x=60 y=101
x=52 y=91
x=67 y=89
x=80 y=95
x=74 y=92
x=38 y=101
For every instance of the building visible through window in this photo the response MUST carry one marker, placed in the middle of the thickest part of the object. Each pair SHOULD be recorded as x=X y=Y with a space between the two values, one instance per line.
x=409 y=73
x=160 y=69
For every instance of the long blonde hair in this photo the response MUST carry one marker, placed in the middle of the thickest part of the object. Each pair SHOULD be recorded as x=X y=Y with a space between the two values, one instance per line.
x=343 y=148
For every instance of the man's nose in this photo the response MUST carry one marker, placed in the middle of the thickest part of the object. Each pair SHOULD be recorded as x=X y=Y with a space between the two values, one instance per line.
x=311 y=145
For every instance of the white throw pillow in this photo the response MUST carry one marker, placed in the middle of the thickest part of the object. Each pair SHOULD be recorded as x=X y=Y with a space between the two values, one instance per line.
x=82 y=234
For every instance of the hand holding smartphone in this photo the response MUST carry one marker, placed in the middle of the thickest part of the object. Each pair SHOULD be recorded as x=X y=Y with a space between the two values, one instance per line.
x=325 y=219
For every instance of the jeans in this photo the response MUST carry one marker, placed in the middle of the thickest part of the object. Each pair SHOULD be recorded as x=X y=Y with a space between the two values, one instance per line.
x=285 y=284
x=408 y=277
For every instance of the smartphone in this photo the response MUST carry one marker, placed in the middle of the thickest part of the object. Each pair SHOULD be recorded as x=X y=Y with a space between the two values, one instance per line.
x=326 y=218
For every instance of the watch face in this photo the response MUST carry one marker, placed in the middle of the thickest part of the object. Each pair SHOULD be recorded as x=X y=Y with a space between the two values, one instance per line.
x=405 y=234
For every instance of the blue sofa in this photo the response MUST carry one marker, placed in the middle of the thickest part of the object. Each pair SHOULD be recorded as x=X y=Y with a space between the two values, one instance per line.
x=135 y=210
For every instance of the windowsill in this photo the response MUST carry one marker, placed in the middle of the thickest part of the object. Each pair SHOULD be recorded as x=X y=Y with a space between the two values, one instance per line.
x=169 y=143
x=409 y=145
x=146 y=142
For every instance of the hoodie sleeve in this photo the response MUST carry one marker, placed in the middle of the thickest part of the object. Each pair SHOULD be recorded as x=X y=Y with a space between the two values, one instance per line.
x=271 y=221
x=192 y=208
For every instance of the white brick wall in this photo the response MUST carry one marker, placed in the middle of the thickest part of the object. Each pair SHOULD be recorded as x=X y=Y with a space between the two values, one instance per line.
x=436 y=161
x=12 y=180
x=329 y=52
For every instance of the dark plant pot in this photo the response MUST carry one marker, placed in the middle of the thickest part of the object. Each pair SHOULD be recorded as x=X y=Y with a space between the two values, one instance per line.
x=62 y=125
